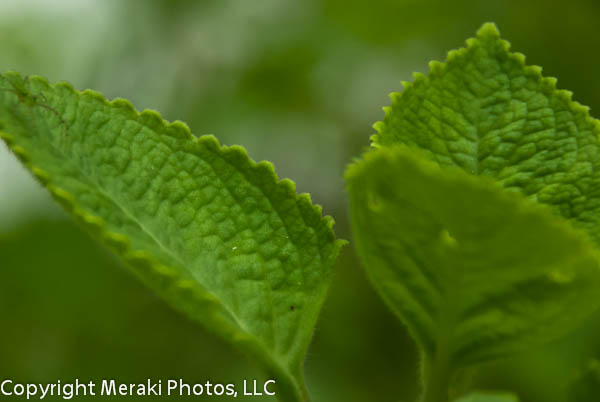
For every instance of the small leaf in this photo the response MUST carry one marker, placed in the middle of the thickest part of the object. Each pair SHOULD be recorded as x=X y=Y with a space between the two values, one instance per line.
x=488 y=397
x=218 y=235
x=487 y=112
x=476 y=272
x=585 y=387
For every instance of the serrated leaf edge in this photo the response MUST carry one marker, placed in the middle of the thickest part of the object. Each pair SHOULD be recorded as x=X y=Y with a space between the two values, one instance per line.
x=188 y=290
x=437 y=69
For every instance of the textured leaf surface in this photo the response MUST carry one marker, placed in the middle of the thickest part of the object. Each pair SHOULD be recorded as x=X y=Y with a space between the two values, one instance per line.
x=476 y=272
x=488 y=397
x=214 y=232
x=487 y=112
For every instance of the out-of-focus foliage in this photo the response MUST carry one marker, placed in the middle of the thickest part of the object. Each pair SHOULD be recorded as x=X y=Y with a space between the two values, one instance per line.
x=487 y=397
x=297 y=83
x=84 y=316
x=586 y=384
x=474 y=271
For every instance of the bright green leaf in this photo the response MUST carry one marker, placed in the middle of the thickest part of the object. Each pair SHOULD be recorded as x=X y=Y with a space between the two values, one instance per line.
x=476 y=272
x=218 y=235
x=488 y=397
x=487 y=112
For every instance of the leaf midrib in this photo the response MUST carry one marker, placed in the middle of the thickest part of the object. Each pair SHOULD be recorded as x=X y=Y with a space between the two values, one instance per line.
x=143 y=227
x=271 y=359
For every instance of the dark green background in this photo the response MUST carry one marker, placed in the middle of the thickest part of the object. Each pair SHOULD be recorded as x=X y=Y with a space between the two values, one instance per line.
x=296 y=82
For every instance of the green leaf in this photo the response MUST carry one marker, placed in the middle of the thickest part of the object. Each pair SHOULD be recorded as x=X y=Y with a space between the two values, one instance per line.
x=487 y=112
x=585 y=387
x=218 y=235
x=488 y=397
x=476 y=272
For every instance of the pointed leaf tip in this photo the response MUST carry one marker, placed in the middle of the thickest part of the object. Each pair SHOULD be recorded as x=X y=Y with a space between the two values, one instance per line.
x=488 y=29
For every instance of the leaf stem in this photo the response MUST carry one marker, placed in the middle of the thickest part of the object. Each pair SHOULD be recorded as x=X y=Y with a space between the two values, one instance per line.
x=437 y=370
x=292 y=391
x=436 y=376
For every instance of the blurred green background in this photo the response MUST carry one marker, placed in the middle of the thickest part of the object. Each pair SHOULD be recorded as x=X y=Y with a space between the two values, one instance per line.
x=296 y=82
